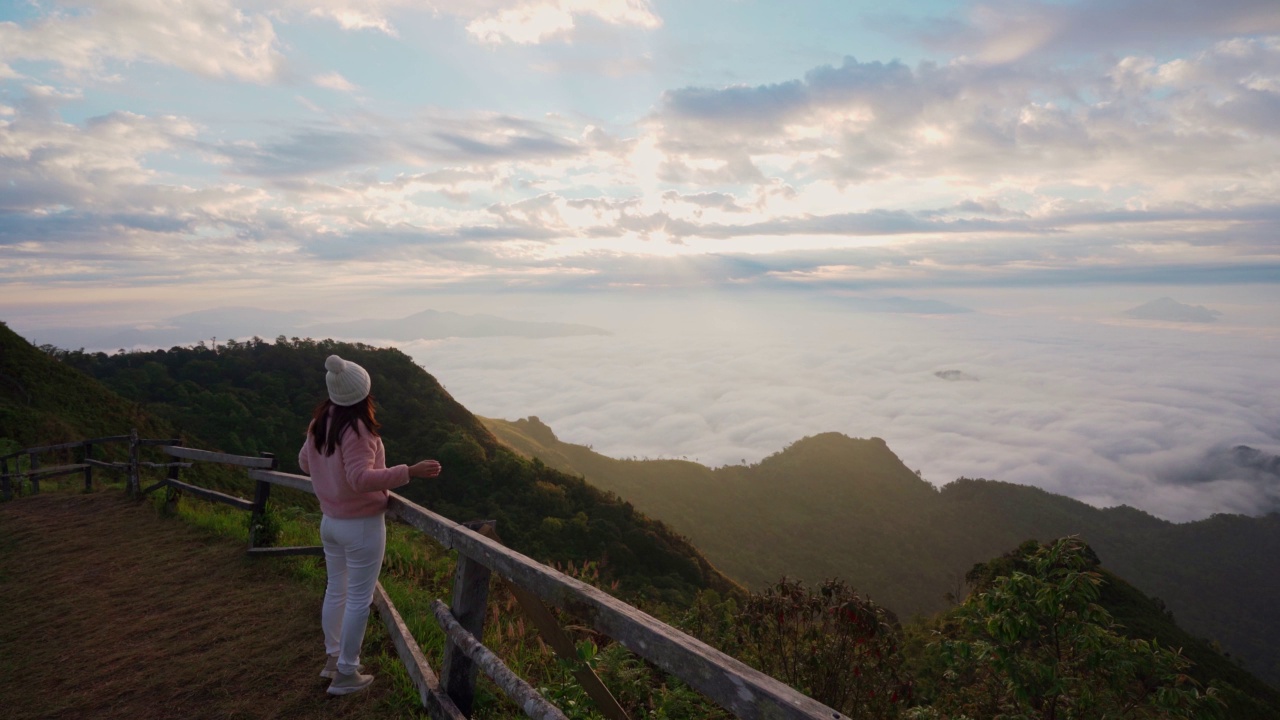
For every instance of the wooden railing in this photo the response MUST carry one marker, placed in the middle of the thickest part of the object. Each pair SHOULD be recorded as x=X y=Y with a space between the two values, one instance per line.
x=744 y=691
x=11 y=479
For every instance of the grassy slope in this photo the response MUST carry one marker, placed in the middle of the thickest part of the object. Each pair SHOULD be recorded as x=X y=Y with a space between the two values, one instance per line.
x=47 y=403
x=835 y=506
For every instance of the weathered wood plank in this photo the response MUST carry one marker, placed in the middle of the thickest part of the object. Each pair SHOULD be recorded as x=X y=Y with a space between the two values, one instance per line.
x=103 y=464
x=440 y=528
x=66 y=446
x=159 y=441
x=109 y=438
x=171 y=499
x=208 y=494
x=470 y=606
x=520 y=692
x=88 y=467
x=550 y=630
x=297 y=482
x=743 y=690
x=261 y=495
x=54 y=470
x=210 y=456
x=433 y=697
x=133 y=487
x=286 y=551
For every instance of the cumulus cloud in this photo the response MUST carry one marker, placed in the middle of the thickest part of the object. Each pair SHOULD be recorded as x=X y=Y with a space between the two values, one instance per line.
x=213 y=38
x=534 y=21
x=867 y=122
x=334 y=81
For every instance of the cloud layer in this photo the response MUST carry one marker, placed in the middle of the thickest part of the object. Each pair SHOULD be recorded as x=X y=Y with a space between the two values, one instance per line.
x=1131 y=414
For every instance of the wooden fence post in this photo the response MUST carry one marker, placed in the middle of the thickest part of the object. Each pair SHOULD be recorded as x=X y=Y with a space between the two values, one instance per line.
x=33 y=464
x=261 y=494
x=133 y=485
x=88 y=468
x=470 y=600
x=173 y=494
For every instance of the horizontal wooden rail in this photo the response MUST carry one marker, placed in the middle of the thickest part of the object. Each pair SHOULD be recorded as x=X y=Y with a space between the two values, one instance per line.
x=155 y=441
x=107 y=465
x=520 y=692
x=739 y=688
x=433 y=698
x=125 y=466
x=51 y=470
x=208 y=456
x=297 y=482
x=208 y=494
x=65 y=446
x=286 y=551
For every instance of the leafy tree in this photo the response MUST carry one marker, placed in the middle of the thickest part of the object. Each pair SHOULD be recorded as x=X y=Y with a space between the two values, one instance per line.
x=1031 y=641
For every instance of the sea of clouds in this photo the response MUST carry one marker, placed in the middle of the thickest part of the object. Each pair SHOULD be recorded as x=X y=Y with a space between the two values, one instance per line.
x=1103 y=409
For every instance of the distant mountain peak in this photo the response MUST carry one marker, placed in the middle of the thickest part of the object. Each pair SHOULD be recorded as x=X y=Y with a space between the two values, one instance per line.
x=1166 y=309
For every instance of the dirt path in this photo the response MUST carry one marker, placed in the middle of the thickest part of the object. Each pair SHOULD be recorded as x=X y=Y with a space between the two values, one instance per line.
x=109 y=611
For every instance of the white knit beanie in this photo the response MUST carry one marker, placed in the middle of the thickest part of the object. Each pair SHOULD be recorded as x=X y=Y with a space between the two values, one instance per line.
x=348 y=382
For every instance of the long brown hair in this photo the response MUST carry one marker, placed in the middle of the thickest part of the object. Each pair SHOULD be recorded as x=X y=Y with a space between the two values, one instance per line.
x=326 y=432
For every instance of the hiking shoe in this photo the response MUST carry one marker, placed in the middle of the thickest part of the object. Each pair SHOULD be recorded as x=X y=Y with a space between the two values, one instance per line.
x=330 y=670
x=344 y=684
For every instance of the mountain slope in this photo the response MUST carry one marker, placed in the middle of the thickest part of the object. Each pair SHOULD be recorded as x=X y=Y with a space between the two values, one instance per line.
x=47 y=403
x=258 y=396
x=832 y=506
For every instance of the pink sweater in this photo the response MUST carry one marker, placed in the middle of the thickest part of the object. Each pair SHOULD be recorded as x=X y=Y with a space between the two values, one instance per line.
x=354 y=480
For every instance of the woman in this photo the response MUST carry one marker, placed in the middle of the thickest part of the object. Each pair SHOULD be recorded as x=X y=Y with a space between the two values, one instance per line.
x=344 y=456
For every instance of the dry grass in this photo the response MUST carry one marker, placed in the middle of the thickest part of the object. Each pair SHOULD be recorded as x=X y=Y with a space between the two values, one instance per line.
x=108 y=611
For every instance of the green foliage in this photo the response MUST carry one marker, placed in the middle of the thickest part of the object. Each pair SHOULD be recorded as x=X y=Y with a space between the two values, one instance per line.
x=264 y=528
x=829 y=642
x=1032 y=641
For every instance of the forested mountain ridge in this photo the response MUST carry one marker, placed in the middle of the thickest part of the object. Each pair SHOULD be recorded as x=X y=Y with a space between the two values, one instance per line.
x=833 y=506
x=258 y=396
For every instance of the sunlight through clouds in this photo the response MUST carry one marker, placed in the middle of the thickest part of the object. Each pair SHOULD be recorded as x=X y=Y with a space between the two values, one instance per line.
x=373 y=151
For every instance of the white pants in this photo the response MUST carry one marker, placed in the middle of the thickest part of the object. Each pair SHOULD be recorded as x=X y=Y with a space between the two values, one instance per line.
x=353 y=549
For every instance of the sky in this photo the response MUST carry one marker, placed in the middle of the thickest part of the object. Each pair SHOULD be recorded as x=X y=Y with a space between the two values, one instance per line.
x=983 y=181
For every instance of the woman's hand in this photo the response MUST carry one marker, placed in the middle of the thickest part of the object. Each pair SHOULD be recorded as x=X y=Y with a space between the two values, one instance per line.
x=424 y=469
